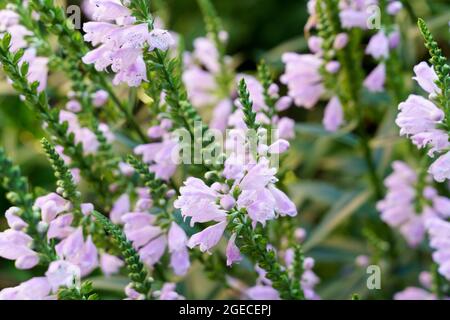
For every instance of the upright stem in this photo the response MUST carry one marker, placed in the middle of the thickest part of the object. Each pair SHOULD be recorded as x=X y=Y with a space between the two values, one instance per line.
x=128 y=115
x=254 y=245
x=368 y=156
x=364 y=141
x=348 y=86
x=436 y=282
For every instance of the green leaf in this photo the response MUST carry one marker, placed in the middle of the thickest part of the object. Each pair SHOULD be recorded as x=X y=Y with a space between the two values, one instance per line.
x=6 y=41
x=318 y=191
x=24 y=68
x=343 y=136
x=18 y=55
x=342 y=210
x=354 y=282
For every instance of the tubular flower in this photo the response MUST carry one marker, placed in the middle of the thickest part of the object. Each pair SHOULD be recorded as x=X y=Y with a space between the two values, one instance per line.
x=121 y=43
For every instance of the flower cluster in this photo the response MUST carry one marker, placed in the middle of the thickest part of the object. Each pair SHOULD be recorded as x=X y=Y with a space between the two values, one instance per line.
x=416 y=293
x=162 y=156
x=201 y=69
x=37 y=66
x=151 y=241
x=422 y=120
x=415 y=213
x=308 y=75
x=68 y=236
x=121 y=42
x=398 y=208
x=72 y=257
x=439 y=230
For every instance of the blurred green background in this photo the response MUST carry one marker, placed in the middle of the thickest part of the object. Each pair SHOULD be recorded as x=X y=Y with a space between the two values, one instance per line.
x=260 y=29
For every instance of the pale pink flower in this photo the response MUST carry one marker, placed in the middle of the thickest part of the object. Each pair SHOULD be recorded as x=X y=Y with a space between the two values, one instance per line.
x=110 y=264
x=233 y=253
x=37 y=288
x=258 y=176
x=14 y=220
x=332 y=67
x=398 y=207
x=147 y=238
x=121 y=45
x=18 y=34
x=198 y=201
x=300 y=234
x=426 y=77
x=132 y=294
x=177 y=243
x=355 y=14
x=73 y=106
x=413 y=293
x=60 y=227
x=208 y=238
x=168 y=292
x=207 y=54
x=15 y=245
x=133 y=75
x=8 y=18
x=107 y=133
x=76 y=250
x=152 y=252
x=140 y=235
x=160 y=39
x=51 y=205
x=279 y=146
x=220 y=116
x=286 y=128
x=201 y=86
x=315 y=44
x=126 y=169
x=309 y=280
x=99 y=98
x=439 y=231
x=303 y=78
x=394 y=39
x=63 y=274
x=426 y=279
x=260 y=197
x=161 y=156
x=376 y=79
x=120 y=207
x=283 y=205
x=38 y=68
x=259 y=204
x=105 y=10
x=341 y=41
x=261 y=292
x=419 y=118
x=362 y=261
x=334 y=115
x=283 y=103
x=83 y=136
x=394 y=7
x=378 y=46
x=441 y=205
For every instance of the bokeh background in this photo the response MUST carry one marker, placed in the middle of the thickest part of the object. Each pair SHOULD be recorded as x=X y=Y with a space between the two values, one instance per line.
x=324 y=172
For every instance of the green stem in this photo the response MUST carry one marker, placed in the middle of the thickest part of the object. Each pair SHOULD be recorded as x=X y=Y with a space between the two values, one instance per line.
x=368 y=156
x=142 y=283
x=254 y=245
x=129 y=119
x=437 y=281
x=19 y=195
